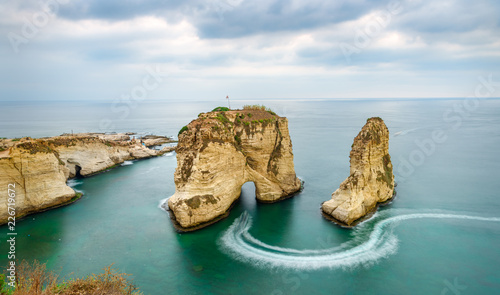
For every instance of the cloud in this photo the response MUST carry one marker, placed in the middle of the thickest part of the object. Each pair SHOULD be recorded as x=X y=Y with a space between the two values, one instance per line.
x=98 y=49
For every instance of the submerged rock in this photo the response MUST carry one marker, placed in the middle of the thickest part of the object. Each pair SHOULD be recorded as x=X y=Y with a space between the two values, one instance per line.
x=371 y=180
x=219 y=152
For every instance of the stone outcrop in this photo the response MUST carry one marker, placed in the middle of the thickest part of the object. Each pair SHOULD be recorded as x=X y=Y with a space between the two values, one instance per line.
x=39 y=168
x=371 y=181
x=219 y=152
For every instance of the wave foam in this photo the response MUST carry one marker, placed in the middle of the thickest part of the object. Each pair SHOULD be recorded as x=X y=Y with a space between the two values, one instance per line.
x=380 y=243
x=163 y=202
x=127 y=163
x=73 y=182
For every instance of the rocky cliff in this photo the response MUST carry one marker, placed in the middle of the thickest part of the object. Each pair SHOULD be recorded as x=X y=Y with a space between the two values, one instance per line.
x=39 y=168
x=219 y=152
x=371 y=180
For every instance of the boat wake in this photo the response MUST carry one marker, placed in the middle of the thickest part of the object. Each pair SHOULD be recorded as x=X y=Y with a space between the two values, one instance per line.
x=373 y=240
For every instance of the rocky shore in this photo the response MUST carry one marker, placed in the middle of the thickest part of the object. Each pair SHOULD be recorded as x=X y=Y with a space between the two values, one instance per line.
x=40 y=168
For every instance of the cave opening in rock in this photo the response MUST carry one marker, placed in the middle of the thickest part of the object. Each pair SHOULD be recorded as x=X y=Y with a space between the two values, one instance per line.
x=77 y=171
x=247 y=197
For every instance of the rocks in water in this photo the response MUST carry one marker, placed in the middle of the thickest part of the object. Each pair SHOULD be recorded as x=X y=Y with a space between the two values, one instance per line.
x=219 y=152
x=371 y=180
x=39 y=168
x=155 y=140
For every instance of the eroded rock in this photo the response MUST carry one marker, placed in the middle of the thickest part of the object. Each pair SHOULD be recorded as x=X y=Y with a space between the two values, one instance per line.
x=371 y=180
x=39 y=168
x=219 y=152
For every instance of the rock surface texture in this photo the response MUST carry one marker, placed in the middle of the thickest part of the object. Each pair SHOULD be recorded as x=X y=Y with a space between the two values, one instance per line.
x=219 y=152
x=39 y=168
x=371 y=180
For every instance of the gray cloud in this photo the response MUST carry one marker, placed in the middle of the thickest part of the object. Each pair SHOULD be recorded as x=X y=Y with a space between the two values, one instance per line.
x=96 y=49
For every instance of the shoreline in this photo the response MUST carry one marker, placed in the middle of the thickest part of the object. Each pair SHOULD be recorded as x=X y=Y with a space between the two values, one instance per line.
x=41 y=168
x=365 y=217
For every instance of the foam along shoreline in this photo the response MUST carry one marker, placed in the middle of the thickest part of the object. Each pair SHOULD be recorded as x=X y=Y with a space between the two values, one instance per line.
x=366 y=217
x=41 y=169
x=368 y=246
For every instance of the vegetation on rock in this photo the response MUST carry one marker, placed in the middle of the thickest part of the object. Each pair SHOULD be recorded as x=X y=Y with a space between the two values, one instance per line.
x=259 y=108
x=185 y=128
x=220 y=109
x=35 y=278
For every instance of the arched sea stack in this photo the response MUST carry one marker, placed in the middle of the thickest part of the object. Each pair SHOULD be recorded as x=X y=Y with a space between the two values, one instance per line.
x=219 y=152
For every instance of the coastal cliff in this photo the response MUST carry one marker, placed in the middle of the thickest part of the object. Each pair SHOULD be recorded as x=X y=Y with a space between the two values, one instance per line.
x=219 y=152
x=39 y=168
x=371 y=180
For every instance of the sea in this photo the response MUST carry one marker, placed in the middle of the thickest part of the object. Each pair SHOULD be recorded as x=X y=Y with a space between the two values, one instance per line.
x=440 y=235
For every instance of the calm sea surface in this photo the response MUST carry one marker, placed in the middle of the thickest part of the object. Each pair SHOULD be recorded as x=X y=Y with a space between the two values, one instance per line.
x=441 y=235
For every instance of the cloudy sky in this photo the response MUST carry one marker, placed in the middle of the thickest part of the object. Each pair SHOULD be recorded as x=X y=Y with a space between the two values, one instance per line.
x=248 y=49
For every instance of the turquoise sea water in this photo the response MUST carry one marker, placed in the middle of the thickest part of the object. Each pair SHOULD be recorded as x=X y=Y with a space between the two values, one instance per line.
x=428 y=241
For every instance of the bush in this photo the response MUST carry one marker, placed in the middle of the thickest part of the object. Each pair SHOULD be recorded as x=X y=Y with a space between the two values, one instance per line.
x=220 y=109
x=222 y=118
x=237 y=138
x=257 y=107
x=182 y=130
x=34 y=278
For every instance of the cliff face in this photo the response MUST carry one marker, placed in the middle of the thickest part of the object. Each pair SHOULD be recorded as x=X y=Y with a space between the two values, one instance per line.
x=39 y=168
x=371 y=180
x=218 y=153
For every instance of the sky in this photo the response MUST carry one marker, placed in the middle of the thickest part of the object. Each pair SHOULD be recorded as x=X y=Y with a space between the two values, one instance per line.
x=247 y=49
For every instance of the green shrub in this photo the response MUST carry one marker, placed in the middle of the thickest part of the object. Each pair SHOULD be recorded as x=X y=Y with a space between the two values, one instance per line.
x=237 y=138
x=185 y=128
x=16 y=139
x=222 y=118
x=220 y=109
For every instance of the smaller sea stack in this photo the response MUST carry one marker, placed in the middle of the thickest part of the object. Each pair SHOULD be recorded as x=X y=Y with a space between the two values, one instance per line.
x=371 y=180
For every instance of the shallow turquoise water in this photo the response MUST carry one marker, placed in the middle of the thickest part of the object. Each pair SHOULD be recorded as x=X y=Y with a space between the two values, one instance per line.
x=118 y=219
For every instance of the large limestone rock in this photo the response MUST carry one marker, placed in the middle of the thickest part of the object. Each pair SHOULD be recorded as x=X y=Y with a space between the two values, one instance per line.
x=39 y=181
x=39 y=168
x=218 y=153
x=371 y=180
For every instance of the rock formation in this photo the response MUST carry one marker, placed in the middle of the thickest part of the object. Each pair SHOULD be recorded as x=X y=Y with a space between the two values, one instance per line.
x=219 y=152
x=371 y=180
x=39 y=168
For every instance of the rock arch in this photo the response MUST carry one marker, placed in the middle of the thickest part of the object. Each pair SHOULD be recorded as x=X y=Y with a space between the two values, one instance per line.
x=219 y=152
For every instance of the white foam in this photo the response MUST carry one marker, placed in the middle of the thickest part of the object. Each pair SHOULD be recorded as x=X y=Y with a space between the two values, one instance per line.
x=362 y=250
x=126 y=163
x=73 y=182
x=162 y=202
